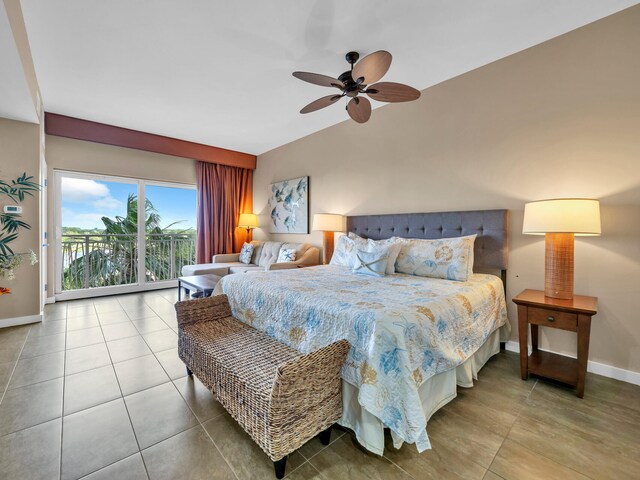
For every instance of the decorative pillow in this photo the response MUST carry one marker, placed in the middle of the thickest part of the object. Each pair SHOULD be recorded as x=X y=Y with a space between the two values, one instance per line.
x=343 y=252
x=394 y=247
x=450 y=258
x=371 y=263
x=286 y=255
x=360 y=243
x=246 y=253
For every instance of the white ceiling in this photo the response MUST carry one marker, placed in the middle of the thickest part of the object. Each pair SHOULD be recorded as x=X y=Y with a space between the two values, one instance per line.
x=219 y=72
x=15 y=98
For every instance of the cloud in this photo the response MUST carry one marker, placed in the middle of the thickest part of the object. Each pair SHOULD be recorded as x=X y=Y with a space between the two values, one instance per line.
x=89 y=192
x=71 y=218
x=107 y=203
x=79 y=190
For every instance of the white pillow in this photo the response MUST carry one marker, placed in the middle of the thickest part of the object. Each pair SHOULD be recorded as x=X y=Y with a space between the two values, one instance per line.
x=450 y=258
x=286 y=255
x=344 y=252
x=371 y=263
x=393 y=245
x=370 y=245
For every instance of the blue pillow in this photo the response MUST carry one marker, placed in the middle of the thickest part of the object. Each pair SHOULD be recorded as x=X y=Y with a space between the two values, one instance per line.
x=245 y=253
x=371 y=263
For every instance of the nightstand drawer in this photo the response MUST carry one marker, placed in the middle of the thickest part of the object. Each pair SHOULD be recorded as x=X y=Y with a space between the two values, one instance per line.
x=553 y=318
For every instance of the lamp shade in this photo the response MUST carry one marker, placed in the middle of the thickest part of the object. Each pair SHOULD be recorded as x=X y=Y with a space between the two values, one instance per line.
x=580 y=216
x=328 y=222
x=248 y=220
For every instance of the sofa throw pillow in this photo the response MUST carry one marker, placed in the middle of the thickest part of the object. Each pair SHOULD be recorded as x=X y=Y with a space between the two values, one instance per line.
x=286 y=255
x=449 y=258
x=371 y=263
x=246 y=253
x=394 y=250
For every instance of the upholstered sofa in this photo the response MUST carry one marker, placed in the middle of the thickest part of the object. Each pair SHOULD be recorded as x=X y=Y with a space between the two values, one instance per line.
x=264 y=258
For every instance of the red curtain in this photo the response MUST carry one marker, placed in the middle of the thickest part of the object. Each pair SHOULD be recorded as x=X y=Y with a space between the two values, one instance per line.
x=223 y=194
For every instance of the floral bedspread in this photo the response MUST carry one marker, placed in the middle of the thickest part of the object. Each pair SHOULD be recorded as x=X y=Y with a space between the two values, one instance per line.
x=403 y=329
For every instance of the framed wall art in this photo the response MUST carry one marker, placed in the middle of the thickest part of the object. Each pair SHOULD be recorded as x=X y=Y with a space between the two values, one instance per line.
x=289 y=206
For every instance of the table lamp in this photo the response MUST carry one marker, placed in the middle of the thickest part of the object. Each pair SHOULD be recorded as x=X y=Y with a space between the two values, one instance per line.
x=559 y=220
x=328 y=223
x=248 y=221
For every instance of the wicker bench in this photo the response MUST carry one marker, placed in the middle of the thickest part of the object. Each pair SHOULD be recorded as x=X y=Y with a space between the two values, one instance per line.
x=279 y=396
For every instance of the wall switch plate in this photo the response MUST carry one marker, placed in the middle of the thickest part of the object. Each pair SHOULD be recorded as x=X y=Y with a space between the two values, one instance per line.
x=12 y=209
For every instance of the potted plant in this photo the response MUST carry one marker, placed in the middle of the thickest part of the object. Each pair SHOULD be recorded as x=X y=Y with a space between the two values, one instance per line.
x=10 y=224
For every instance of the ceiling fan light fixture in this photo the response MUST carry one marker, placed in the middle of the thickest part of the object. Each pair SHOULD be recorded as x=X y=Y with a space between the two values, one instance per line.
x=354 y=82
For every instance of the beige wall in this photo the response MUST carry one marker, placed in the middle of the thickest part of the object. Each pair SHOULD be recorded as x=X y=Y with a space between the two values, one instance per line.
x=20 y=152
x=561 y=119
x=87 y=157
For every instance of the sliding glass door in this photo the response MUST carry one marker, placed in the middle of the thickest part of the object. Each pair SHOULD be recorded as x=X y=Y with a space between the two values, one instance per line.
x=170 y=231
x=107 y=243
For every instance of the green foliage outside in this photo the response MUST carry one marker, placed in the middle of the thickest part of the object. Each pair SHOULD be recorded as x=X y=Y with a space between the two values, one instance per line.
x=98 y=258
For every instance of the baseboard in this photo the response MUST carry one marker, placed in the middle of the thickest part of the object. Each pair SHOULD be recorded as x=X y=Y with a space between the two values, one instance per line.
x=594 y=367
x=50 y=300
x=12 y=322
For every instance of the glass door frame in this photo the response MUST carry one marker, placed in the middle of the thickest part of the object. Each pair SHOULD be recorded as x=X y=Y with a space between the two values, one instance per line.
x=142 y=284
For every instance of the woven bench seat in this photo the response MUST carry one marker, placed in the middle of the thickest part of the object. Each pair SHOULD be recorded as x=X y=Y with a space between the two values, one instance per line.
x=279 y=396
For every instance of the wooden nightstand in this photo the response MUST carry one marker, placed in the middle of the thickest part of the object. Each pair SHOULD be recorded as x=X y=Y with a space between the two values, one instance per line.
x=574 y=315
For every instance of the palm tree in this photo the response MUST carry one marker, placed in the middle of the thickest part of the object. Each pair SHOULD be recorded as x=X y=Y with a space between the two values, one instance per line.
x=113 y=259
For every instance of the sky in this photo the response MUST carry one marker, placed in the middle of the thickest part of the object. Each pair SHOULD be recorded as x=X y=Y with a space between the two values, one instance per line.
x=85 y=202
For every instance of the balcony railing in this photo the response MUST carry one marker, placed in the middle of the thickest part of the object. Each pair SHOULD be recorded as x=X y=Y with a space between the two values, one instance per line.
x=93 y=261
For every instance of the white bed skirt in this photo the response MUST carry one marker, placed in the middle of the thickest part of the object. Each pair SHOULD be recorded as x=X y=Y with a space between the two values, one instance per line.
x=435 y=393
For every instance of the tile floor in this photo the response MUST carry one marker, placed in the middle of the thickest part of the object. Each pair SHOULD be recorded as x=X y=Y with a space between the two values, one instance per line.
x=97 y=391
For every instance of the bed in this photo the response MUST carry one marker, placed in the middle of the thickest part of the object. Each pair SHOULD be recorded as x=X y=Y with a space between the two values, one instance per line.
x=413 y=338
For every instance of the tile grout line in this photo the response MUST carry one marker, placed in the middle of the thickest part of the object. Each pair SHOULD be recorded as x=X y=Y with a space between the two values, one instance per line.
x=538 y=453
x=144 y=464
x=15 y=366
x=64 y=387
x=511 y=426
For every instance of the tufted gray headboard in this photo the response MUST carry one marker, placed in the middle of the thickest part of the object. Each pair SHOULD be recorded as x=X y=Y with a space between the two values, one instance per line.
x=492 y=227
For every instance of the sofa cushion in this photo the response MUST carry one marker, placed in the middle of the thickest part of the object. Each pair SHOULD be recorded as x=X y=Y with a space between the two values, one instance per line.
x=245 y=269
x=269 y=253
x=257 y=251
x=221 y=269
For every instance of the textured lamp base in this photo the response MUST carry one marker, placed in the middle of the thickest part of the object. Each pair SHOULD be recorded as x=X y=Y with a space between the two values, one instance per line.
x=558 y=270
x=328 y=246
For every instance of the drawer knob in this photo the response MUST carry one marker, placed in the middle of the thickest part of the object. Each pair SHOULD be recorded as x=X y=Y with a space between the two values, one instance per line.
x=550 y=318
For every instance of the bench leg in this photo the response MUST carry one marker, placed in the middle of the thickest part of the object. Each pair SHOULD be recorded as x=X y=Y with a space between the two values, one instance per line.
x=189 y=372
x=325 y=436
x=280 y=467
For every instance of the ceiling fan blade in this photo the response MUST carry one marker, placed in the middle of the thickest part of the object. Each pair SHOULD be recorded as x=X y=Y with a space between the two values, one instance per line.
x=372 y=67
x=392 y=92
x=318 y=79
x=359 y=109
x=321 y=103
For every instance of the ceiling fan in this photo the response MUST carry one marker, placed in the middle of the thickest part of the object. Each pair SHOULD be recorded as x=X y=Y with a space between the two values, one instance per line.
x=358 y=81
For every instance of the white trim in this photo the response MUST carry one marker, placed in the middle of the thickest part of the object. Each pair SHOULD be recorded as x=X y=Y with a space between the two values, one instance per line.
x=50 y=300
x=114 y=290
x=12 y=322
x=142 y=285
x=593 y=367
